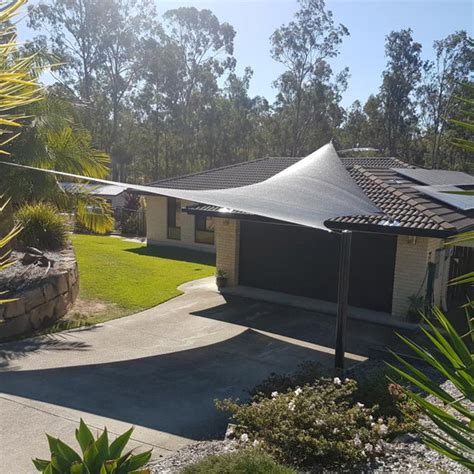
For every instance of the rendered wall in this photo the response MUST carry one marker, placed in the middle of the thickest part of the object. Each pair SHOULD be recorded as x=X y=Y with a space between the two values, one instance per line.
x=157 y=227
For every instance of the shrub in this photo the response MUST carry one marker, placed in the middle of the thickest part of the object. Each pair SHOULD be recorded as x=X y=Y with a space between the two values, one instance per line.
x=389 y=401
x=98 y=456
x=316 y=424
x=307 y=372
x=43 y=226
x=373 y=389
x=244 y=462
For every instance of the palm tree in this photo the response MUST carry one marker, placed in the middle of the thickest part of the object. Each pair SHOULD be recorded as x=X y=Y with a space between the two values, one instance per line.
x=54 y=140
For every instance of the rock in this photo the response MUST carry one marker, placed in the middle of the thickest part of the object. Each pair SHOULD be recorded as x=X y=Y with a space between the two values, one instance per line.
x=14 y=309
x=33 y=298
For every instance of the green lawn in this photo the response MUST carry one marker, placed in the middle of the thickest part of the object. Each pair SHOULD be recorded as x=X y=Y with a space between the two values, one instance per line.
x=132 y=276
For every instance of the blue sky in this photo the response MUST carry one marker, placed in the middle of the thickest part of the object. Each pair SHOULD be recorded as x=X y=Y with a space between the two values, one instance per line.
x=368 y=21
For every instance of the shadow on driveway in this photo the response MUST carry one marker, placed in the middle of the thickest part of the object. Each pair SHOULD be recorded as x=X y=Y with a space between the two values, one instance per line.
x=173 y=392
x=12 y=351
x=307 y=326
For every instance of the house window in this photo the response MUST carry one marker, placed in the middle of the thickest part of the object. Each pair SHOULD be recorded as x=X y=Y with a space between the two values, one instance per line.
x=204 y=230
x=174 y=219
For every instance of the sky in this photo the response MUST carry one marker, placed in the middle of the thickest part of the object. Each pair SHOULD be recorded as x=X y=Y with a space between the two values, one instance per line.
x=368 y=21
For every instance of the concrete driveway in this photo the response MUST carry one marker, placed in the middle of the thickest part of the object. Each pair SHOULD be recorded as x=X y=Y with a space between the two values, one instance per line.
x=159 y=370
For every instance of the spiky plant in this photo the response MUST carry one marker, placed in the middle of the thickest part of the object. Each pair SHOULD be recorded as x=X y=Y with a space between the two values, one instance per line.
x=18 y=88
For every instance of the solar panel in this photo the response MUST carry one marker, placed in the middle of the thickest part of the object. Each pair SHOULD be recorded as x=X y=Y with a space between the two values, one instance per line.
x=436 y=177
x=441 y=193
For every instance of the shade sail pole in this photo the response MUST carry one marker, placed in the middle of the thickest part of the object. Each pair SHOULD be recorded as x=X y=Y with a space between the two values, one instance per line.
x=342 y=298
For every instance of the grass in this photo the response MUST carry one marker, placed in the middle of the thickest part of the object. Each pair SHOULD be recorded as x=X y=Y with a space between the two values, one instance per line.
x=119 y=277
x=133 y=276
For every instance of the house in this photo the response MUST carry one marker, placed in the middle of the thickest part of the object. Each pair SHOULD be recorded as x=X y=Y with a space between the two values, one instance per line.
x=115 y=195
x=398 y=257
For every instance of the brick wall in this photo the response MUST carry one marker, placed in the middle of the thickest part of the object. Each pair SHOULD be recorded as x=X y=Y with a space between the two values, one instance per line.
x=227 y=248
x=413 y=255
x=157 y=225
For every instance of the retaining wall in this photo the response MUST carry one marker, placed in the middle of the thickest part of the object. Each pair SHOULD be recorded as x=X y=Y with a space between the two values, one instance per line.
x=43 y=304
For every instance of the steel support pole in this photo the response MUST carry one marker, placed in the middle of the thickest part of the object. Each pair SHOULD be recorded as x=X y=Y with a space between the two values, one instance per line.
x=342 y=298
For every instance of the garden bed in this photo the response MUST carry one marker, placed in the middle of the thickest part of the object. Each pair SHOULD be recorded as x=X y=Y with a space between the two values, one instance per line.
x=18 y=277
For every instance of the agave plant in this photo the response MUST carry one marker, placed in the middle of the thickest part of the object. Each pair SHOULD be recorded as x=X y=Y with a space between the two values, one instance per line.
x=98 y=455
x=451 y=358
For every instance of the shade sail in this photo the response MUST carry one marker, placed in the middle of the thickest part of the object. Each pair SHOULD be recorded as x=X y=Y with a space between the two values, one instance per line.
x=313 y=190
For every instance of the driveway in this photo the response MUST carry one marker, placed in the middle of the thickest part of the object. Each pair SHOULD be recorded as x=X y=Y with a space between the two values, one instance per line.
x=159 y=370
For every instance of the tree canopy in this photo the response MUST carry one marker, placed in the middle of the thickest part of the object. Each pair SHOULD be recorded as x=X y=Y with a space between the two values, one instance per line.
x=159 y=92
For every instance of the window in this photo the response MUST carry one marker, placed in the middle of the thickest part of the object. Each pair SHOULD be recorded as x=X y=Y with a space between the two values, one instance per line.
x=204 y=230
x=174 y=219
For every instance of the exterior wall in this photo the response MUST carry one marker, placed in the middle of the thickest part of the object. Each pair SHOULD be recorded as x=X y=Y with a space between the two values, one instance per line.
x=412 y=258
x=157 y=225
x=228 y=248
x=118 y=200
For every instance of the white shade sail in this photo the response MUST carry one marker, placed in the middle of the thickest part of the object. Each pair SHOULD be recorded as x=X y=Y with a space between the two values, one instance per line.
x=310 y=192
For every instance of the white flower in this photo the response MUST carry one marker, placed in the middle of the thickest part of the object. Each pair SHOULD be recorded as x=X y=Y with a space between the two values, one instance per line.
x=371 y=418
x=244 y=437
x=229 y=432
x=255 y=443
x=380 y=420
x=274 y=394
x=378 y=448
x=291 y=406
x=368 y=447
x=347 y=380
x=298 y=391
x=363 y=454
x=337 y=381
x=383 y=429
x=372 y=425
x=360 y=405
x=357 y=441
x=335 y=431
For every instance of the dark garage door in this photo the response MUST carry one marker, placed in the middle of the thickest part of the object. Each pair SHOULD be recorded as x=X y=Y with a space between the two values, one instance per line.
x=304 y=261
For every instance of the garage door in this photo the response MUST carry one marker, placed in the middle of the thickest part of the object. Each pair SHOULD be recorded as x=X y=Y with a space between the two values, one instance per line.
x=303 y=261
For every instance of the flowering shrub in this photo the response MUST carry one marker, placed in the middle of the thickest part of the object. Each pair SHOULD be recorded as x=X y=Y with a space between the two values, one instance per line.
x=318 y=423
x=390 y=401
x=307 y=372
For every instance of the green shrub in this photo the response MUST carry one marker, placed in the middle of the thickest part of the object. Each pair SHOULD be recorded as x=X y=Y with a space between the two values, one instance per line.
x=390 y=401
x=373 y=389
x=307 y=372
x=43 y=226
x=98 y=456
x=244 y=462
x=318 y=424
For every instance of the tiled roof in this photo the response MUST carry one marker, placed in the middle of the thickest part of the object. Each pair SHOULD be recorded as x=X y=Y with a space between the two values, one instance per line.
x=405 y=209
x=251 y=172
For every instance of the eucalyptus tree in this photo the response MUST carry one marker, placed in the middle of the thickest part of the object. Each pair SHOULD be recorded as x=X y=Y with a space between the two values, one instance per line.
x=304 y=46
x=204 y=48
x=401 y=78
x=72 y=31
x=453 y=63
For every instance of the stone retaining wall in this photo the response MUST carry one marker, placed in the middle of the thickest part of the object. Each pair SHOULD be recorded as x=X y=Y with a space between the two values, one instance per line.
x=41 y=305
